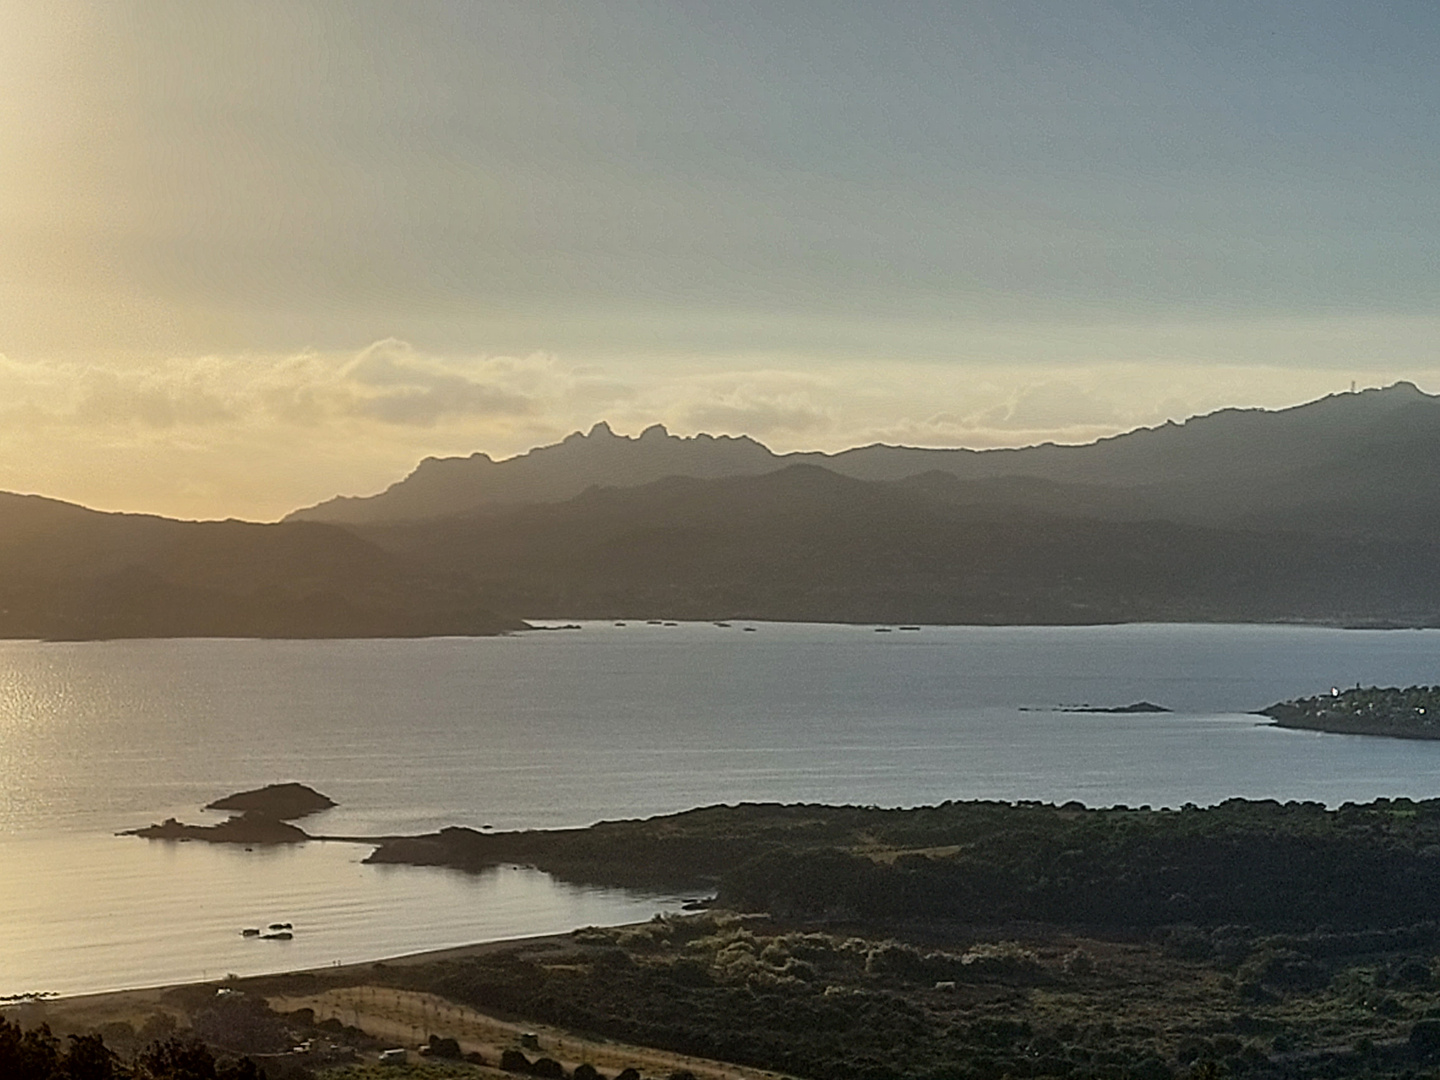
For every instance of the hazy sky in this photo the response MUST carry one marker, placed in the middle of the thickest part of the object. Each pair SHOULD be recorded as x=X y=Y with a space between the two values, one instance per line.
x=252 y=255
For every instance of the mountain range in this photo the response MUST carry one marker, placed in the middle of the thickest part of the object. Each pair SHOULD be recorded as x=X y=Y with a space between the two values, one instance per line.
x=1326 y=512
x=1357 y=463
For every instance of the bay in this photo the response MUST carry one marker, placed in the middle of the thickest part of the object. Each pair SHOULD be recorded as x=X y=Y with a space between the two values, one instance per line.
x=566 y=727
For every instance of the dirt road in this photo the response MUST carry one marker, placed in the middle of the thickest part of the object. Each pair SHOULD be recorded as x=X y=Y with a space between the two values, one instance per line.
x=409 y=1019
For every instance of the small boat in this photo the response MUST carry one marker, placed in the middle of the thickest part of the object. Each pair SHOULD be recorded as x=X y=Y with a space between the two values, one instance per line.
x=725 y=625
x=909 y=628
x=672 y=624
x=250 y=931
x=281 y=926
x=749 y=629
x=882 y=629
x=279 y=935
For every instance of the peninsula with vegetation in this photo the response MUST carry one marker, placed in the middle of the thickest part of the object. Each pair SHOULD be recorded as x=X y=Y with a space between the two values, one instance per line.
x=1257 y=940
x=1411 y=713
x=1258 y=863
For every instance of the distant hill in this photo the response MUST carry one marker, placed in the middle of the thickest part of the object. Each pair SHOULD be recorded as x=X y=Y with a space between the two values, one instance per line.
x=1349 y=464
x=1326 y=512
x=1248 y=446
x=806 y=543
x=69 y=572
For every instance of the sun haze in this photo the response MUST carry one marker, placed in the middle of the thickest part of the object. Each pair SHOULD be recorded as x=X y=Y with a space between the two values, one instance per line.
x=259 y=254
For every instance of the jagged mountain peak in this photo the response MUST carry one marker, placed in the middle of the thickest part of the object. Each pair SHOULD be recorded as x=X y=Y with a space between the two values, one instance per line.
x=1219 y=448
x=583 y=459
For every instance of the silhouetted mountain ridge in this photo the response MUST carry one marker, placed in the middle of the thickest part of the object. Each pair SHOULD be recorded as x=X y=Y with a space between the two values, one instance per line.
x=804 y=543
x=70 y=572
x=1356 y=463
x=1325 y=512
x=441 y=486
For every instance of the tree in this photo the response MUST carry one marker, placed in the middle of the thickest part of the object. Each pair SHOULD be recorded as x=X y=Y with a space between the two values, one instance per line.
x=176 y=1059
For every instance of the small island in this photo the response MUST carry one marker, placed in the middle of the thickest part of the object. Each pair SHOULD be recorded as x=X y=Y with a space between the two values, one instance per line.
x=1411 y=713
x=264 y=818
x=245 y=829
x=1134 y=707
x=284 y=802
x=1137 y=707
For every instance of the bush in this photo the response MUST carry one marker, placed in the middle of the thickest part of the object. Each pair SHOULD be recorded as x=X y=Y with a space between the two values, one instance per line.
x=1412 y=974
x=1152 y=1068
x=443 y=1048
x=1425 y=1037
x=1187 y=943
x=514 y=1061
x=240 y=1023
x=1079 y=962
x=1001 y=958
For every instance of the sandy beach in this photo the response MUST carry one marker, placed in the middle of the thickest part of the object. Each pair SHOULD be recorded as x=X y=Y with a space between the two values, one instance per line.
x=112 y=1005
x=401 y=1018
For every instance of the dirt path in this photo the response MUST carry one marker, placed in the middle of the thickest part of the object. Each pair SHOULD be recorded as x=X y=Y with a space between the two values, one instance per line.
x=409 y=1018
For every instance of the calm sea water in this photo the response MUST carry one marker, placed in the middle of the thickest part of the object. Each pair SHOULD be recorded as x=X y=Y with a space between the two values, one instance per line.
x=569 y=727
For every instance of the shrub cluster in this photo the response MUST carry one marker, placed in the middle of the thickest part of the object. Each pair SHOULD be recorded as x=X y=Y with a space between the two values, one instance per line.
x=37 y=1054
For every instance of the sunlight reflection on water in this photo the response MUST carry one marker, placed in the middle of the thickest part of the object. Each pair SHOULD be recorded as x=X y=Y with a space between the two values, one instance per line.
x=90 y=913
x=565 y=728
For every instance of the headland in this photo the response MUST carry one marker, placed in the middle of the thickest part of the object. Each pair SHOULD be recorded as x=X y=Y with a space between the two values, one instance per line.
x=1411 y=713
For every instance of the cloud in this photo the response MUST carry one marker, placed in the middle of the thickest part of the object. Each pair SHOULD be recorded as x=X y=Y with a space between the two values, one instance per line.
x=151 y=399
x=257 y=435
x=758 y=403
x=741 y=416
x=387 y=382
x=590 y=388
x=1050 y=406
x=393 y=384
x=158 y=397
x=450 y=395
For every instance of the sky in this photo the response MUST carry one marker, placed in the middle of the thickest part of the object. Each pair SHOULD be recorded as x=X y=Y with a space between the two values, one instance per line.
x=253 y=255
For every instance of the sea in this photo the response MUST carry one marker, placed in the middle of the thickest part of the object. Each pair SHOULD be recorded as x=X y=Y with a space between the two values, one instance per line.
x=565 y=727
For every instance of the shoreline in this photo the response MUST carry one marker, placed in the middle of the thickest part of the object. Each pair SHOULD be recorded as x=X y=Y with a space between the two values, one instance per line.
x=338 y=993
x=118 y=999
x=1341 y=728
x=573 y=623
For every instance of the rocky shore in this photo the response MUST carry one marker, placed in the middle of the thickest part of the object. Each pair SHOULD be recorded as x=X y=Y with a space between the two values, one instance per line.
x=245 y=829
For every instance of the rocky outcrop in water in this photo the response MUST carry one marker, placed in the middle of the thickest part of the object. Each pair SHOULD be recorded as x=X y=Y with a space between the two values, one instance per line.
x=284 y=802
x=264 y=818
x=1136 y=707
x=245 y=829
